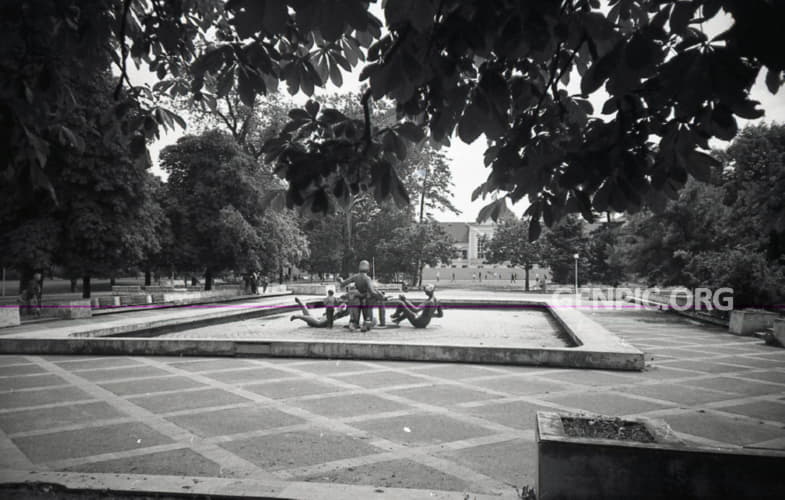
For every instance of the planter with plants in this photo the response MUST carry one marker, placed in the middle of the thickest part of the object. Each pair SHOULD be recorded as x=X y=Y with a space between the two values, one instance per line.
x=582 y=456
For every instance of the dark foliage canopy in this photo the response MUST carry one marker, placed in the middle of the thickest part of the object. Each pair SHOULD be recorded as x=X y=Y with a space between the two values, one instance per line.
x=497 y=68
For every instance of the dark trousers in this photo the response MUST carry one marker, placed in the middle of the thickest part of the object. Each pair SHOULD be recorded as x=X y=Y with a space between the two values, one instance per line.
x=330 y=313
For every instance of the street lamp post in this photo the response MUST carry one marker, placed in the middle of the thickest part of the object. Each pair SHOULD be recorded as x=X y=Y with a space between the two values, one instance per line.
x=576 y=273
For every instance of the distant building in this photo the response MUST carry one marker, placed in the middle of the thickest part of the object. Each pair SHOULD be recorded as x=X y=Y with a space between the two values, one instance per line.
x=470 y=240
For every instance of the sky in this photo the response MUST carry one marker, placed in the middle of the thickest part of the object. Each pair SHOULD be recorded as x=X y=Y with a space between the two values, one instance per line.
x=466 y=160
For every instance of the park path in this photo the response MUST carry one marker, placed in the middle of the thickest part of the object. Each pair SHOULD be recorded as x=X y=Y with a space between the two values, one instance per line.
x=388 y=424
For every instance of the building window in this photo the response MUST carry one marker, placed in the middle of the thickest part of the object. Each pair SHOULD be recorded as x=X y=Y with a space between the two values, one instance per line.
x=482 y=243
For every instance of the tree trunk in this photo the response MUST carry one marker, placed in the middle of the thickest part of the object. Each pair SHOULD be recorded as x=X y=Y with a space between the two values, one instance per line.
x=148 y=277
x=526 y=276
x=112 y=281
x=348 y=247
x=208 y=279
x=73 y=285
x=25 y=275
x=86 y=287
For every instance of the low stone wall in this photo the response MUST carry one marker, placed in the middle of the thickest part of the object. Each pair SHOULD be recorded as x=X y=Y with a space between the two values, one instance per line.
x=9 y=315
x=311 y=288
x=67 y=309
x=749 y=321
x=187 y=297
x=74 y=309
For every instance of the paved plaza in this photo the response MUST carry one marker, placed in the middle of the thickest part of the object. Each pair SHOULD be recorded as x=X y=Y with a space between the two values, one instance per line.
x=463 y=428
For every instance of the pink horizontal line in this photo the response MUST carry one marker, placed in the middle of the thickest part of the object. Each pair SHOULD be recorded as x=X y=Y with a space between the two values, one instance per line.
x=388 y=306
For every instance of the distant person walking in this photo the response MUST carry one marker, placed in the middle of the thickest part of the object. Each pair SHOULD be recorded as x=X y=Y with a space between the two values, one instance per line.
x=474 y=277
x=437 y=276
x=453 y=277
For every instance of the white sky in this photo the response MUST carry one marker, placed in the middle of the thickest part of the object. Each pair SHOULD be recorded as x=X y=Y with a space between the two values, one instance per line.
x=466 y=160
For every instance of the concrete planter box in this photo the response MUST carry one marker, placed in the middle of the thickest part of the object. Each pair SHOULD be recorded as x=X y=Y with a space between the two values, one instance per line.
x=276 y=288
x=749 y=321
x=778 y=330
x=586 y=468
x=73 y=309
x=9 y=315
x=109 y=301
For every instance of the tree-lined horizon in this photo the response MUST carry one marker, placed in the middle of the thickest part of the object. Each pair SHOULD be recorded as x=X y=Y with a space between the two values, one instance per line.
x=451 y=69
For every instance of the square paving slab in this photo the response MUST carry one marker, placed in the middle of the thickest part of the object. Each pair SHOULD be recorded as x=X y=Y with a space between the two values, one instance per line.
x=181 y=462
x=14 y=370
x=299 y=449
x=47 y=418
x=443 y=394
x=764 y=410
x=736 y=431
x=606 y=403
x=517 y=468
x=248 y=375
x=87 y=442
x=21 y=399
x=151 y=385
x=422 y=429
x=234 y=421
x=187 y=400
x=349 y=405
x=291 y=389
x=29 y=381
x=393 y=474
x=382 y=379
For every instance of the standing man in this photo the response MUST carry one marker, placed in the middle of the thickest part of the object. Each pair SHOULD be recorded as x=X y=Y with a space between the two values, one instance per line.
x=365 y=292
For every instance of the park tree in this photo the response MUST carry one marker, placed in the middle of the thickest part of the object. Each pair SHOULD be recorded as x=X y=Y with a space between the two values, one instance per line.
x=510 y=243
x=560 y=244
x=369 y=216
x=658 y=246
x=722 y=233
x=754 y=186
x=104 y=216
x=251 y=125
x=325 y=245
x=604 y=258
x=219 y=220
x=453 y=67
x=409 y=247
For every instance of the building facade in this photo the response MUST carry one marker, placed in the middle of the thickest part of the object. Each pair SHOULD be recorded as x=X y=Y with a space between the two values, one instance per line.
x=470 y=241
